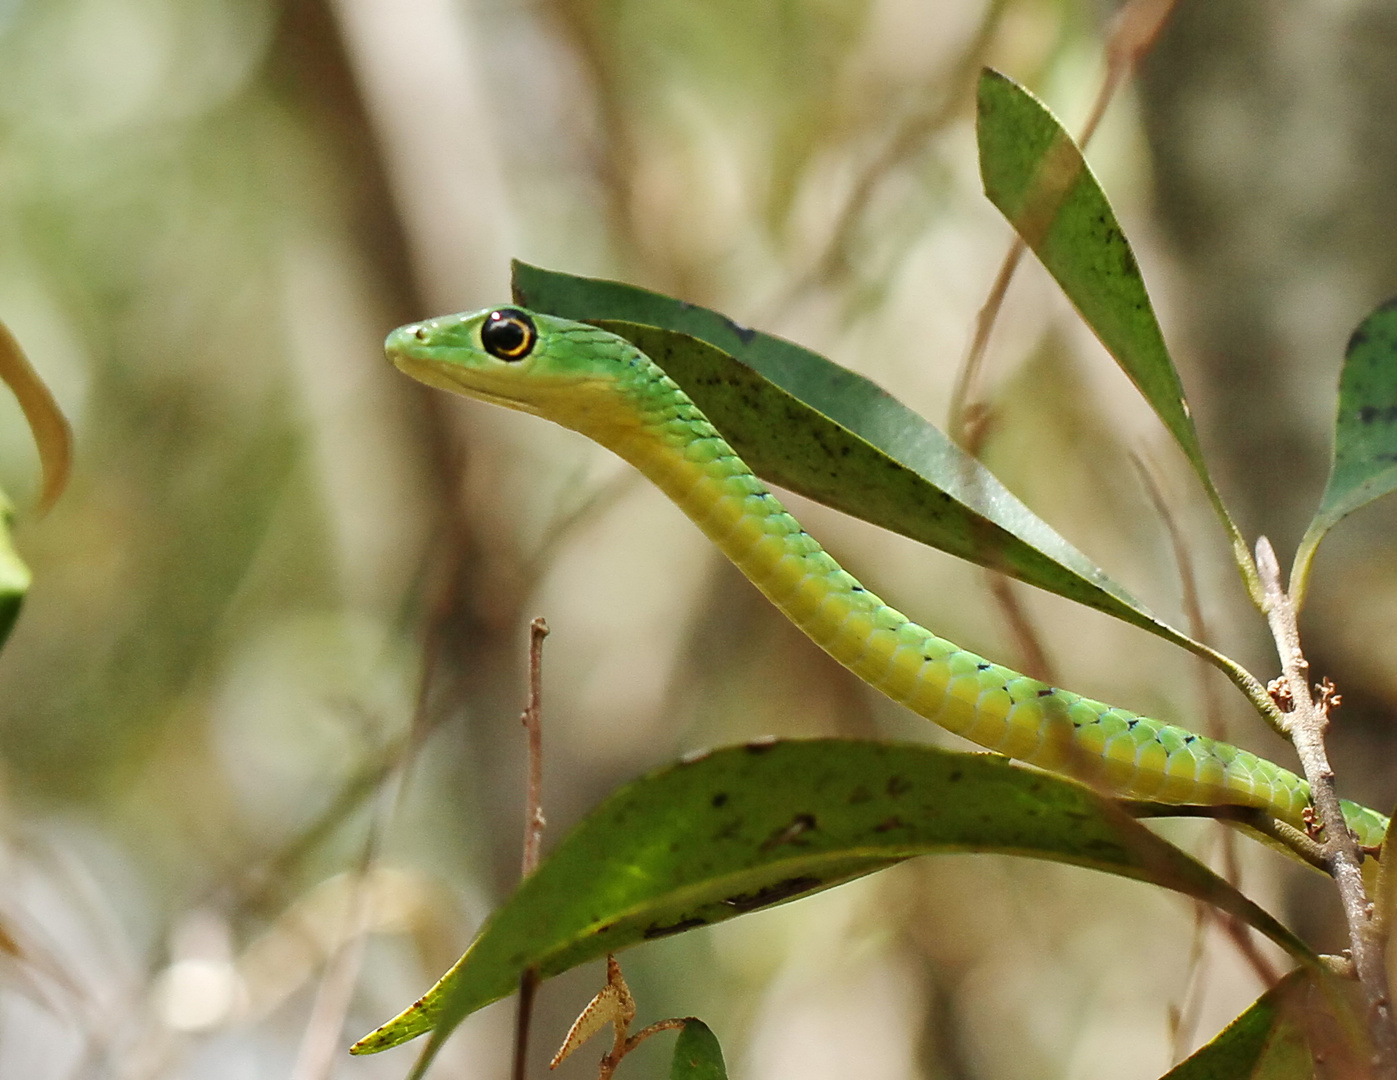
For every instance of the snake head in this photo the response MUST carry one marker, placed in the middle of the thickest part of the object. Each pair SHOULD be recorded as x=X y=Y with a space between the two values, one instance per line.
x=569 y=372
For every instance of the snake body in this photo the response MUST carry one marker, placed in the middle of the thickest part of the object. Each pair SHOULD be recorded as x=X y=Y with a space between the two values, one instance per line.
x=601 y=385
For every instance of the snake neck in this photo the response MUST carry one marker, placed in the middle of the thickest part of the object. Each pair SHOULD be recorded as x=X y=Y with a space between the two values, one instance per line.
x=680 y=451
x=667 y=437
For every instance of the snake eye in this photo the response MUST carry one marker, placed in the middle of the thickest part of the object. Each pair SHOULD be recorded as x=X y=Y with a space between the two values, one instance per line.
x=508 y=334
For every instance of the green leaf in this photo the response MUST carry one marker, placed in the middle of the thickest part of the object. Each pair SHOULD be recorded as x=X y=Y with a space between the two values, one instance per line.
x=1365 y=433
x=807 y=424
x=747 y=827
x=697 y=1055
x=1267 y=1042
x=14 y=575
x=1036 y=176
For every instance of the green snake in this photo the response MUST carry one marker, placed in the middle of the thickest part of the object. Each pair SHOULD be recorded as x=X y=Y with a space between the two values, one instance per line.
x=604 y=387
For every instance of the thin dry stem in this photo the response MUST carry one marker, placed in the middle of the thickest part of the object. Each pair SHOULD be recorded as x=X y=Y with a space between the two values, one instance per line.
x=523 y=1017
x=1306 y=723
x=1033 y=657
x=532 y=719
x=1236 y=931
x=674 y=1023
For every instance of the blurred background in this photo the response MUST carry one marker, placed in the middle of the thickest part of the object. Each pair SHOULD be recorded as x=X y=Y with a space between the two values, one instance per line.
x=227 y=848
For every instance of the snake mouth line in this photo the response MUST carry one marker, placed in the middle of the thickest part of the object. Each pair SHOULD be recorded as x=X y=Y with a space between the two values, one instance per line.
x=568 y=399
x=447 y=375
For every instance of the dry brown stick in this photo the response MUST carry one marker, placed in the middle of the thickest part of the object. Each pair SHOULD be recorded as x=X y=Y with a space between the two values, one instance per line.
x=1032 y=656
x=1235 y=930
x=1306 y=723
x=528 y=983
x=532 y=719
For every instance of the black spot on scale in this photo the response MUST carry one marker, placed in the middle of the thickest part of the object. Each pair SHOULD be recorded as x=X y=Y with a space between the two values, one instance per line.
x=1369 y=413
x=857 y=588
x=1130 y=724
x=983 y=665
x=1047 y=691
x=1190 y=739
x=720 y=799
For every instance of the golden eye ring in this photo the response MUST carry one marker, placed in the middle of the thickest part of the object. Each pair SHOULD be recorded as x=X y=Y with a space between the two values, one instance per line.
x=508 y=334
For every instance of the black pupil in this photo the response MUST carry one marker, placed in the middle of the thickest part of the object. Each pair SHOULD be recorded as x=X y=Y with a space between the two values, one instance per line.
x=508 y=335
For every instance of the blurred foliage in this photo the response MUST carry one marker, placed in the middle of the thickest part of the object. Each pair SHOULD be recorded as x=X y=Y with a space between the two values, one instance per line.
x=210 y=213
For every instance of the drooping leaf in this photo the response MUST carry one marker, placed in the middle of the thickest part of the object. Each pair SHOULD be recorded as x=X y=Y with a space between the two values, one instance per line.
x=697 y=1054
x=1036 y=176
x=805 y=423
x=748 y=827
x=1364 y=467
x=1267 y=1042
x=52 y=434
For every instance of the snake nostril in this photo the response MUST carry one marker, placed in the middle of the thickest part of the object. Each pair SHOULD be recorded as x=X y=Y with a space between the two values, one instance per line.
x=420 y=333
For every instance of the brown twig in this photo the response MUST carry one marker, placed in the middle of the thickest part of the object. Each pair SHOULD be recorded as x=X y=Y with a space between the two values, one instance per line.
x=1033 y=657
x=528 y=984
x=1235 y=930
x=1306 y=723
x=1198 y=628
x=614 y=1058
x=532 y=719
